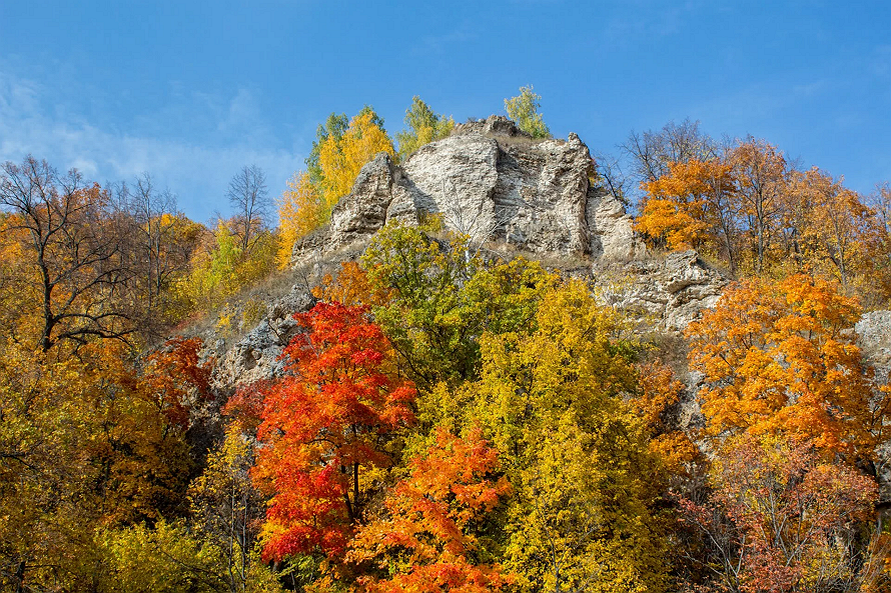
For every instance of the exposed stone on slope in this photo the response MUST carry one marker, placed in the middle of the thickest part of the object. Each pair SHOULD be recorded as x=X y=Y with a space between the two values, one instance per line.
x=611 y=228
x=490 y=181
x=671 y=292
x=255 y=356
x=874 y=338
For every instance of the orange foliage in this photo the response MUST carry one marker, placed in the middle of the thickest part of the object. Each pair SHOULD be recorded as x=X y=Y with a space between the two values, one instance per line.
x=324 y=426
x=426 y=543
x=351 y=287
x=780 y=357
x=687 y=206
x=659 y=391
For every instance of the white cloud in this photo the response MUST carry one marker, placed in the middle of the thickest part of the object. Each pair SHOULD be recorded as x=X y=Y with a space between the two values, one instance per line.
x=36 y=119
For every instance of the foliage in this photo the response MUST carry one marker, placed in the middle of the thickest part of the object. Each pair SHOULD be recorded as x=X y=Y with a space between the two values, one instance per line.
x=778 y=357
x=86 y=442
x=341 y=158
x=425 y=541
x=550 y=401
x=73 y=249
x=341 y=149
x=523 y=109
x=443 y=299
x=166 y=558
x=222 y=269
x=351 y=287
x=658 y=391
x=691 y=207
x=783 y=519
x=423 y=126
x=227 y=508
x=327 y=429
x=301 y=210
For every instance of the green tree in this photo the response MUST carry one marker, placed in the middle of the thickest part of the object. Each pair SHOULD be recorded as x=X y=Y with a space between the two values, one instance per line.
x=334 y=127
x=423 y=126
x=443 y=299
x=523 y=109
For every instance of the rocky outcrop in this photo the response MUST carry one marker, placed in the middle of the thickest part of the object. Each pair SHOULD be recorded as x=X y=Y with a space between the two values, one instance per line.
x=492 y=182
x=255 y=356
x=670 y=292
x=874 y=338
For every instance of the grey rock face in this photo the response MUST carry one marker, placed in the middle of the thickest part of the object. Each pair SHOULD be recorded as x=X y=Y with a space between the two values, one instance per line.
x=489 y=181
x=255 y=357
x=672 y=292
x=874 y=338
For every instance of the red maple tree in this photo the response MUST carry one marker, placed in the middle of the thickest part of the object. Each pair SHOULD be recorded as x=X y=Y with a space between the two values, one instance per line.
x=325 y=430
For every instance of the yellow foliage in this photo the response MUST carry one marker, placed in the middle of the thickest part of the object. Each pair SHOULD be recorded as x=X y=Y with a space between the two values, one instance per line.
x=552 y=402
x=301 y=210
x=342 y=159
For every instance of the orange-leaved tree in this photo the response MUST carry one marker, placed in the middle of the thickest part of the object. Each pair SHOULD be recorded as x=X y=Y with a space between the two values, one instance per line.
x=691 y=207
x=428 y=538
x=351 y=287
x=327 y=429
x=781 y=357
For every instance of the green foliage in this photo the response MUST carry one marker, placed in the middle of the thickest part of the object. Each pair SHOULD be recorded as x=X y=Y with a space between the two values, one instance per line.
x=523 y=109
x=423 y=126
x=444 y=299
x=334 y=127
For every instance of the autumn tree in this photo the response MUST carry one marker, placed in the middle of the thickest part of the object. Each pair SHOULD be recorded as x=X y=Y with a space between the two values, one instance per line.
x=73 y=249
x=220 y=269
x=780 y=357
x=249 y=198
x=762 y=177
x=423 y=125
x=301 y=210
x=86 y=442
x=783 y=518
x=228 y=509
x=432 y=533
x=550 y=400
x=341 y=149
x=653 y=151
x=692 y=207
x=327 y=429
x=831 y=226
x=333 y=129
x=658 y=393
x=342 y=158
x=442 y=300
x=523 y=109
x=351 y=287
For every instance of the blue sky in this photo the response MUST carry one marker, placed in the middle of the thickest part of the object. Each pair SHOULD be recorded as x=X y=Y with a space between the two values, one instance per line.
x=191 y=91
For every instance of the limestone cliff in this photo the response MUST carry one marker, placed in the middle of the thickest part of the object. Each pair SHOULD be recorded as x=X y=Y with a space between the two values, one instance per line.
x=497 y=185
x=492 y=182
